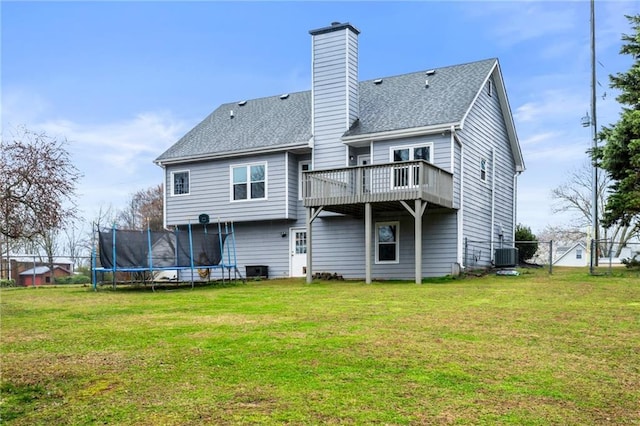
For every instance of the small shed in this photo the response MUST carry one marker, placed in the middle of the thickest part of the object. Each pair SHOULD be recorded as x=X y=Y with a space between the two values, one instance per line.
x=41 y=275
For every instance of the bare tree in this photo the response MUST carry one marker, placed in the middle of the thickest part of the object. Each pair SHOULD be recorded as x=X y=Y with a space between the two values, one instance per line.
x=76 y=243
x=576 y=196
x=37 y=189
x=144 y=208
x=49 y=242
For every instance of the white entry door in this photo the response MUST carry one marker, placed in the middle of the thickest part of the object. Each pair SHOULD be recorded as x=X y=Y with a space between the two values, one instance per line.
x=298 y=248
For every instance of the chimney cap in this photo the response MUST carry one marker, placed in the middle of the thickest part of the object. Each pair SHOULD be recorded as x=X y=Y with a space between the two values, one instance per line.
x=335 y=26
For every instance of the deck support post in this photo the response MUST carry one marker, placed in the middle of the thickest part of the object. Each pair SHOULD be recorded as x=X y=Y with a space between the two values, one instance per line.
x=312 y=213
x=309 y=245
x=367 y=242
x=418 y=239
x=417 y=211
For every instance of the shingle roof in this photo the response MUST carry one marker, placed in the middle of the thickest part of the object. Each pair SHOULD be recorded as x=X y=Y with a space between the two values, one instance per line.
x=399 y=102
x=259 y=123
x=38 y=270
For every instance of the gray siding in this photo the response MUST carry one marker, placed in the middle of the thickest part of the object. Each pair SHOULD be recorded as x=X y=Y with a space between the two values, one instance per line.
x=338 y=246
x=484 y=136
x=335 y=94
x=441 y=149
x=261 y=243
x=296 y=208
x=210 y=186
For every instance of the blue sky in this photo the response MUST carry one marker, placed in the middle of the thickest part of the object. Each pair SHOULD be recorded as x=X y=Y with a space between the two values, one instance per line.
x=122 y=81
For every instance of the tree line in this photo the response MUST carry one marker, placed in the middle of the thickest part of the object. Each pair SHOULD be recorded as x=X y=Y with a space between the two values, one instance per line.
x=38 y=210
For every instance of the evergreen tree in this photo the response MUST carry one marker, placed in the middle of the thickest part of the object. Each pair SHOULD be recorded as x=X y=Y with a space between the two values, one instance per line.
x=620 y=156
x=526 y=243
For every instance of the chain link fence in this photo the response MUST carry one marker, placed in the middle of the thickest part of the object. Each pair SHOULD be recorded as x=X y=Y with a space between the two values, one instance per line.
x=483 y=254
x=605 y=255
x=32 y=270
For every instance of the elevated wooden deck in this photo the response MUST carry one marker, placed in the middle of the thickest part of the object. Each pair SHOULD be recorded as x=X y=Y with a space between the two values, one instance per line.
x=346 y=190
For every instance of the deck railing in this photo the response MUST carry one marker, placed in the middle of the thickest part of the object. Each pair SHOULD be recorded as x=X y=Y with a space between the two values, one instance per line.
x=407 y=180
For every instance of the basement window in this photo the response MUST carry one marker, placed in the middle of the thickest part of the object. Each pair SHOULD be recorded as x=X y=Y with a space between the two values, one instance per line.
x=387 y=242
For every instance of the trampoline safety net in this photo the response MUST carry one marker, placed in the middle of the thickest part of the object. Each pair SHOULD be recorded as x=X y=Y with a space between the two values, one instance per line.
x=168 y=249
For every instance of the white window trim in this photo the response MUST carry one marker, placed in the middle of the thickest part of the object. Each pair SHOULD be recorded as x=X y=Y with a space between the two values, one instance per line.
x=486 y=169
x=300 y=164
x=173 y=189
x=387 y=262
x=248 y=166
x=410 y=148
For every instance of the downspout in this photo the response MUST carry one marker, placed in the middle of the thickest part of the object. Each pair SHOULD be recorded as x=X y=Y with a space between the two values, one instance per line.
x=515 y=205
x=461 y=259
x=164 y=196
x=286 y=185
x=493 y=201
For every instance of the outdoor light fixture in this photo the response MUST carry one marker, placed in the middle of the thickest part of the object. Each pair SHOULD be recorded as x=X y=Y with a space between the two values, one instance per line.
x=586 y=120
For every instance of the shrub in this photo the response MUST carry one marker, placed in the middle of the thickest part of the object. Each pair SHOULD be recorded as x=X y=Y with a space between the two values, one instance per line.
x=527 y=243
x=73 y=279
x=7 y=283
x=632 y=263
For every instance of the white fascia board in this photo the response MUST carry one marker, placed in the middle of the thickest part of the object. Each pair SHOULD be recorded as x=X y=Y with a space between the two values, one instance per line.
x=506 y=113
x=232 y=154
x=398 y=134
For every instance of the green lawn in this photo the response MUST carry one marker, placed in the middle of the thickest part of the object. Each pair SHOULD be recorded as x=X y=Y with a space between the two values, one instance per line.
x=533 y=349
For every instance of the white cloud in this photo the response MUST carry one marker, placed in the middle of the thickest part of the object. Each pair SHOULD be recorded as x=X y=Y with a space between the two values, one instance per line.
x=115 y=157
x=553 y=103
x=523 y=21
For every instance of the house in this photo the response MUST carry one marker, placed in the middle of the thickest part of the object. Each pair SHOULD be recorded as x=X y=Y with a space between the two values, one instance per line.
x=575 y=255
x=41 y=275
x=378 y=179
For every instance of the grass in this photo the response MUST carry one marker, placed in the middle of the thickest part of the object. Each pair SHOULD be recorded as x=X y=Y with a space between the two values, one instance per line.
x=533 y=349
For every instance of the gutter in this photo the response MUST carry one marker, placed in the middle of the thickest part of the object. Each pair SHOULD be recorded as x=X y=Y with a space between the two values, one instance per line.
x=403 y=133
x=231 y=154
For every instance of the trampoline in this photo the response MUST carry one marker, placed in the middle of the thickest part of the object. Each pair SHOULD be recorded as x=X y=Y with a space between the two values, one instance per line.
x=185 y=250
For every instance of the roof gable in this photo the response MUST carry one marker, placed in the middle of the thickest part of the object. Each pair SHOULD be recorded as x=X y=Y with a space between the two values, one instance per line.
x=571 y=251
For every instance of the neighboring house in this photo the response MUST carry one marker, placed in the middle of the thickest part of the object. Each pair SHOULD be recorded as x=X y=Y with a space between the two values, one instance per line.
x=41 y=275
x=575 y=255
x=379 y=179
x=21 y=263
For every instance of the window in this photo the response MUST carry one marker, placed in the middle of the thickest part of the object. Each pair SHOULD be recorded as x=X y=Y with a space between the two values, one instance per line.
x=249 y=182
x=578 y=253
x=401 y=175
x=303 y=166
x=483 y=169
x=180 y=183
x=387 y=245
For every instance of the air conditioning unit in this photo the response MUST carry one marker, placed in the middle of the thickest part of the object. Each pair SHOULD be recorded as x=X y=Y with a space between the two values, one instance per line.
x=506 y=257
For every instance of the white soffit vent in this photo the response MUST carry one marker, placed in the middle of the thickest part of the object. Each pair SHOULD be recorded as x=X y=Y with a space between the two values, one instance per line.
x=285 y=96
x=378 y=81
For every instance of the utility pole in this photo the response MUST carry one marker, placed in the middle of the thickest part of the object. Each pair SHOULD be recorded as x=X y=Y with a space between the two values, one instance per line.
x=594 y=135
